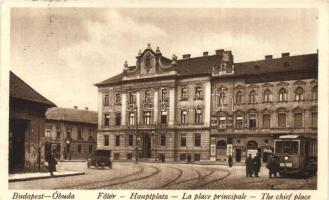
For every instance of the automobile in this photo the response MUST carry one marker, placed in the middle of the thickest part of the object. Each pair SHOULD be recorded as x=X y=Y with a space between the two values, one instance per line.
x=100 y=158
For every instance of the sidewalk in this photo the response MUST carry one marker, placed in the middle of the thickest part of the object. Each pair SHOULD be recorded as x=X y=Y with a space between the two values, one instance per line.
x=41 y=175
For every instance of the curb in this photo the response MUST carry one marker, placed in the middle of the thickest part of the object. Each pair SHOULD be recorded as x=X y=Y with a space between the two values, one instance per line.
x=45 y=177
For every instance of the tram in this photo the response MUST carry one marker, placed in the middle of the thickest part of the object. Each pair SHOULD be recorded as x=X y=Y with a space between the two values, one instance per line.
x=298 y=154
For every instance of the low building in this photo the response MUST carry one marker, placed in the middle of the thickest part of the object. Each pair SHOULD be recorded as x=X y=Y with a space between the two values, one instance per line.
x=71 y=133
x=26 y=126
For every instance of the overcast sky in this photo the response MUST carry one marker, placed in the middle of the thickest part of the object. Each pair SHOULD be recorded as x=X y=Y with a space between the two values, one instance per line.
x=62 y=52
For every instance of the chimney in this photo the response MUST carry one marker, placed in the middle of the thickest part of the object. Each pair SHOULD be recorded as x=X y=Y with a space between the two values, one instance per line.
x=86 y=108
x=285 y=54
x=219 y=51
x=205 y=53
x=186 y=56
x=76 y=107
x=268 y=57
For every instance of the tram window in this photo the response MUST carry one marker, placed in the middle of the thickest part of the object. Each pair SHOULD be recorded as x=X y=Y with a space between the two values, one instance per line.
x=290 y=147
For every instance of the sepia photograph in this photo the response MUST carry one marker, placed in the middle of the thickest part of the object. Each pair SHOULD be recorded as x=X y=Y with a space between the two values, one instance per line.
x=163 y=98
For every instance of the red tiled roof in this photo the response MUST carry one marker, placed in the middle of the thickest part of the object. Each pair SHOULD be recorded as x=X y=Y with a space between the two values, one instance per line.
x=72 y=115
x=21 y=90
x=204 y=65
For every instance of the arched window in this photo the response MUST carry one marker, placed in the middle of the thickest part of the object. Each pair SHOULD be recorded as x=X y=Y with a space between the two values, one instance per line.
x=238 y=98
x=299 y=94
x=252 y=96
x=282 y=95
x=315 y=93
x=251 y=144
x=221 y=144
x=267 y=96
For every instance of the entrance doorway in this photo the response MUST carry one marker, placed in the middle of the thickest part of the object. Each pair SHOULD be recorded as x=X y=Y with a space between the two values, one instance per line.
x=146 y=145
x=237 y=155
x=17 y=130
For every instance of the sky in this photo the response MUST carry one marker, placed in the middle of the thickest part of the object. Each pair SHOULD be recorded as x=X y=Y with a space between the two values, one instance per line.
x=63 y=52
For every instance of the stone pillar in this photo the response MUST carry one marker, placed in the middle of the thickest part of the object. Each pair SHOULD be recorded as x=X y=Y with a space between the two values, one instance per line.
x=123 y=109
x=207 y=101
x=171 y=106
x=138 y=100
x=156 y=107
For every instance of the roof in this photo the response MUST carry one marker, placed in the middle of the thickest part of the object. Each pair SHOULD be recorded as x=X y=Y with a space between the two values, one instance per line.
x=306 y=62
x=21 y=90
x=72 y=115
x=204 y=65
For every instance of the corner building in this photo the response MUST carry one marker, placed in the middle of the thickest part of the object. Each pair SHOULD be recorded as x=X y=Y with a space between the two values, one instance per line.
x=204 y=108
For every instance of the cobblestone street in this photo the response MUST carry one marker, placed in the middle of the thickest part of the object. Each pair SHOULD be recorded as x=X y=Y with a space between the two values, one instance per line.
x=125 y=175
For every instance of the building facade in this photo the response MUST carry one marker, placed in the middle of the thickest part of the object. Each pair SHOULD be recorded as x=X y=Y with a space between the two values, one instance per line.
x=70 y=133
x=207 y=107
x=26 y=127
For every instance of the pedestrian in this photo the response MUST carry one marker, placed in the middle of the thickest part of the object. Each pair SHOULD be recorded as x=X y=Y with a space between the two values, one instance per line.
x=230 y=160
x=256 y=164
x=136 y=154
x=273 y=165
x=249 y=166
x=52 y=164
x=162 y=157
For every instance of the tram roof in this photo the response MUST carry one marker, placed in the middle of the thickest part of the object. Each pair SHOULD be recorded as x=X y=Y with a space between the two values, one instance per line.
x=290 y=136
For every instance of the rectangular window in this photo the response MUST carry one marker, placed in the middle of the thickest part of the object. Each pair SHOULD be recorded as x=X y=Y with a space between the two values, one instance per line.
x=118 y=99
x=184 y=96
x=117 y=140
x=130 y=140
x=91 y=133
x=90 y=148
x=58 y=133
x=282 y=120
x=79 y=133
x=147 y=117
x=106 y=100
x=198 y=93
x=48 y=135
x=222 y=123
x=183 y=140
x=197 y=140
x=106 y=119
x=266 y=121
x=131 y=118
x=117 y=119
x=163 y=117
x=198 y=116
x=314 y=119
x=196 y=157
x=164 y=94
x=132 y=98
x=183 y=117
x=147 y=95
x=79 y=148
x=252 y=121
x=182 y=157
x=106 y=140
x=163 y=139
x=239 y=122
x=298 y=120
x=68 y=133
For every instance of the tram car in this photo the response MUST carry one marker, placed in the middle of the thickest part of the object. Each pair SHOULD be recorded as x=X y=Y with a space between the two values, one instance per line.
x=298 y=154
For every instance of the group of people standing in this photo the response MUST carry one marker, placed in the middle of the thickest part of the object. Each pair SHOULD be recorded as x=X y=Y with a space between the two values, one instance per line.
x=253 y=165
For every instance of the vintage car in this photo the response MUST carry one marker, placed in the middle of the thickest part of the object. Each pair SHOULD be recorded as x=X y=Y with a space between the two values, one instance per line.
x=100 y=158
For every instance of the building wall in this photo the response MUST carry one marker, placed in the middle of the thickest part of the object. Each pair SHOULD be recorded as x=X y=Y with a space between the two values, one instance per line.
x=84 y=142
x=31 y=115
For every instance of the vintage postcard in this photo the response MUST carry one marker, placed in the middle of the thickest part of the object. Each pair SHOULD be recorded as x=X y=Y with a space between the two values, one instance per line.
x=164 y=100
